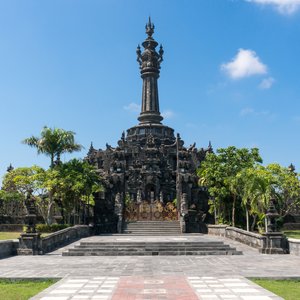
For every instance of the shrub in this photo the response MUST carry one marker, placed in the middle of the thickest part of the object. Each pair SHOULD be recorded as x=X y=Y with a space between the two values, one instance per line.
x=51 y=228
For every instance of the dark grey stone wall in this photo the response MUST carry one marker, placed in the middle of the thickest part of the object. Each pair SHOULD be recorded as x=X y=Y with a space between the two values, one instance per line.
x=8 y=248
x=294 y=246
x=219 y=230
x=64 y=237
x=249 y=238
x=11 y=227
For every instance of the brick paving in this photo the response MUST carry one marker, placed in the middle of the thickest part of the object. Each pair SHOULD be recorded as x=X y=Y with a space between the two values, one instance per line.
x=141 y=277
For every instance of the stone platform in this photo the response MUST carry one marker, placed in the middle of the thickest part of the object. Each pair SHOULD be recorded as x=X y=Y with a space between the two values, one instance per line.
x=120 y=245
x=153 y=277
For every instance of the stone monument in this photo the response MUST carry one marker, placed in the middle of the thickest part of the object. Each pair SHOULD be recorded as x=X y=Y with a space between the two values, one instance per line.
x=150 y=174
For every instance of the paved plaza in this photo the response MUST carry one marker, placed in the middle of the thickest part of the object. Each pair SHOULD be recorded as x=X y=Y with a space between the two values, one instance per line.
x=153 y=277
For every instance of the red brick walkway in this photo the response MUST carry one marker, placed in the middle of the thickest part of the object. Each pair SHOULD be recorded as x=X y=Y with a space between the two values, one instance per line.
x=160 y=288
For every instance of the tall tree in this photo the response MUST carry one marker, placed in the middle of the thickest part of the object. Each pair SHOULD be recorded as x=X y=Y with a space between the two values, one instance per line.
x=219 y=174
x=54 y=142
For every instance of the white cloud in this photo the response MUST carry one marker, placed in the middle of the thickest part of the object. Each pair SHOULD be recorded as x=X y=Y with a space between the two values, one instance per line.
x=246 y=63
x=286 y=7
x=133 y=107
x=248 y=111
x=266 y=83
x=168 y=114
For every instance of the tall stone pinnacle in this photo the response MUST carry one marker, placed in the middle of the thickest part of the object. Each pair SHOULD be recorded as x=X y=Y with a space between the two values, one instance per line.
x=149 y=61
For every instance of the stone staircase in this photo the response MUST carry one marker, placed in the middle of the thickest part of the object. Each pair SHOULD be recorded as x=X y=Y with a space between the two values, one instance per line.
x=151 y=248
x=151 y=228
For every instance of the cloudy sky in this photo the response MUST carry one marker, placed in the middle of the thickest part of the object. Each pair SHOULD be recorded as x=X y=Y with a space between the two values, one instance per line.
x=231 y=72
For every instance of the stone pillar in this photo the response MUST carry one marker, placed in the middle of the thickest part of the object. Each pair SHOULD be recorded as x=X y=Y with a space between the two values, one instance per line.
x=274 y=243
x=119 y=211
x=30 y=244
x=183 y=212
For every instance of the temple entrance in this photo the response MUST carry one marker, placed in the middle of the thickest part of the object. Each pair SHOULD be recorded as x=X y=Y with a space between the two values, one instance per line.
x=147 y=211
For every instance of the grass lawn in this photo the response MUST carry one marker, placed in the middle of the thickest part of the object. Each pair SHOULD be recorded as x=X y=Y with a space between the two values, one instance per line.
x=294 y=234
x=6 y=235
x=287 y=289
x=22 y=289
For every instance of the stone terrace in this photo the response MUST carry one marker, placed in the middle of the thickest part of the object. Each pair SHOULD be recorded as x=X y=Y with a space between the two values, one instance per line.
x=153 y=277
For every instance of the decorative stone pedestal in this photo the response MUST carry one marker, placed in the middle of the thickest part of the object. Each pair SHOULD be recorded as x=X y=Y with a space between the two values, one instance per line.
x=30 y=244
x=274 y=243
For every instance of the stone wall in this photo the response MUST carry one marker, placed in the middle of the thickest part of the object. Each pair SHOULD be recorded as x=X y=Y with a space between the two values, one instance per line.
x=219 y=230
x=11 y=227
x=251 y=239
x=64 y=237
x=294 y=246
x=8 y=248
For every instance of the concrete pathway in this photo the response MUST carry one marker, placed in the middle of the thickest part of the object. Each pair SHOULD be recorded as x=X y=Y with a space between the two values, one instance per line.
x=153 y=277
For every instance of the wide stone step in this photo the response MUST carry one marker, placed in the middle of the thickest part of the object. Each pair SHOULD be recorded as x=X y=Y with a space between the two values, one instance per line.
x=151 y=244
x=152 y=253
x=152 y=228
x=150 y=248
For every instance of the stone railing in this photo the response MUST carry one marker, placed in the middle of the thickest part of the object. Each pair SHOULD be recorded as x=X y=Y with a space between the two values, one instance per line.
x=219 y=230
x=11 y=227
x=8 y=248
x=294 y=246
x=251 y=239
x=64 y=237
x=264 y=242
x=269 y=243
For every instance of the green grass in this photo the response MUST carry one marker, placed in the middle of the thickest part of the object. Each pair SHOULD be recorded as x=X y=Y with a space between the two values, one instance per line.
x=294 y=234
x=22 y=289
x=287 y=289
x=6 y=235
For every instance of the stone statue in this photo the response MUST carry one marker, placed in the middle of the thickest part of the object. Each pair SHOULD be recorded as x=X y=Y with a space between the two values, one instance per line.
x=30 y=218
x=183 y=205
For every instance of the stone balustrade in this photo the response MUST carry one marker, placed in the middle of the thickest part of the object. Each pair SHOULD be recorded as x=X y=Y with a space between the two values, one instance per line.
x=63 y=237
x=270 y=243
x=8 y=248
x=294 y=246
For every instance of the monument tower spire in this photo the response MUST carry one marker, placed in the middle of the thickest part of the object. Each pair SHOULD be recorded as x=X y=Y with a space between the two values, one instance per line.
x=149 y=61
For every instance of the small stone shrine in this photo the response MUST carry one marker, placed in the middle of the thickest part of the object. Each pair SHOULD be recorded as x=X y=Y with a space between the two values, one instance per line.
x=150 y=174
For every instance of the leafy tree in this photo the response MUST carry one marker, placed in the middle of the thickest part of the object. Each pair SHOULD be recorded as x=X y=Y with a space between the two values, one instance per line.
x=72 y=183
x=218 y=172
x=21 y=181
x=24 y=180
x=54 y=142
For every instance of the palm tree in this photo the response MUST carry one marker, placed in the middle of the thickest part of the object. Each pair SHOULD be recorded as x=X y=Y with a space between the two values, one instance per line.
x=54 y=142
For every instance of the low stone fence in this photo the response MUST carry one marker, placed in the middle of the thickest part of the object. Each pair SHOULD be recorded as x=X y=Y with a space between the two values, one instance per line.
x=251 y=239
x=219 y=230
x=269 y=243
x=8 y=248
x=294 y=246
x=64 y=237
x=11 y=227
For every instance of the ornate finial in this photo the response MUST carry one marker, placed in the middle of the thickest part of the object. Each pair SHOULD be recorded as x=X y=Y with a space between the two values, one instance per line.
x=150 y=28
x=150 y=60
x=91 y=150
x=9 y=168
x=291 y=168
x=210 y=148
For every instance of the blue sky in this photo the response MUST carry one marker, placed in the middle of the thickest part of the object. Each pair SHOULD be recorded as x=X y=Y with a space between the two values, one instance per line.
x=231 y=72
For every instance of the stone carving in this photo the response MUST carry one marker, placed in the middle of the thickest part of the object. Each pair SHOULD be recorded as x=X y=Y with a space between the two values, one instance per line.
x=30 y=218
x=149 y=164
